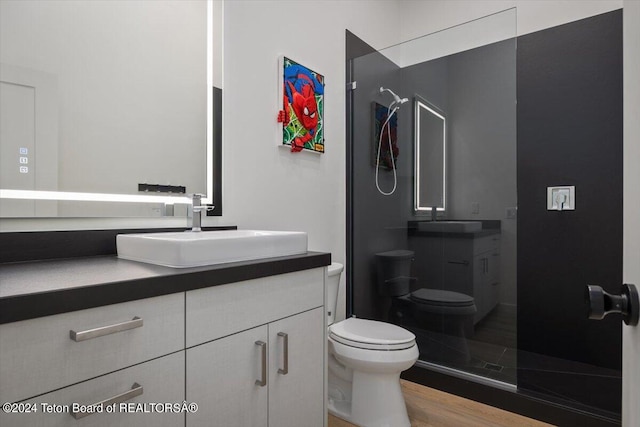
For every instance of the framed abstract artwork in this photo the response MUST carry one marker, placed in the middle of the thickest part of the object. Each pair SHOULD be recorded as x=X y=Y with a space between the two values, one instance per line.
x=302 y=113
x=380 y=113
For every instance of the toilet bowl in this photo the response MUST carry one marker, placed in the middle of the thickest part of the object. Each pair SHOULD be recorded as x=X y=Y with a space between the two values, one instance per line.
x=442 y=320
x=365 y=360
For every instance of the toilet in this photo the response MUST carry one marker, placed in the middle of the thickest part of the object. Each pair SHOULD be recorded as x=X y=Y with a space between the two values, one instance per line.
x=365 y=359
x=443 y=320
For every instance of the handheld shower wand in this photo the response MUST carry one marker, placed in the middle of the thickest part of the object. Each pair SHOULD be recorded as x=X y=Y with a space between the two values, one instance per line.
x=393 y=108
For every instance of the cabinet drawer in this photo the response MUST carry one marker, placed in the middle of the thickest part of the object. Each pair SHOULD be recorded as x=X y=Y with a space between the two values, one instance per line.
x=222 y=310
x=160 y=380
x=486 y=244
x=39 y=355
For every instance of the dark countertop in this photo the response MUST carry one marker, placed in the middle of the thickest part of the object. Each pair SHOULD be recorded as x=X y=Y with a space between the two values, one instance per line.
x=489 y=228
x=459 y=235
x=41 y=288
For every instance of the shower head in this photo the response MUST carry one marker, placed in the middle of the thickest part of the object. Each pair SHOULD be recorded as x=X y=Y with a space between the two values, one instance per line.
x=396 y=98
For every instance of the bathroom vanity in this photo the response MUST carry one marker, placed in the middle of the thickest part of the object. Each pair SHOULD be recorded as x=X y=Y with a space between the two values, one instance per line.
x=244 y=341
x=460 y=261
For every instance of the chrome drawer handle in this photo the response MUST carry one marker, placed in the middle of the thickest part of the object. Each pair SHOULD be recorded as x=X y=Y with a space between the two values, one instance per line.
x=463 y=262
x=136 y=322
x=136 y=390
x=285 y=352
x=263 y=377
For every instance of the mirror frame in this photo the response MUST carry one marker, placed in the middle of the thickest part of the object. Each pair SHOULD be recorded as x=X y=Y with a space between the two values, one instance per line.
x=213 y=158
x=422 y=104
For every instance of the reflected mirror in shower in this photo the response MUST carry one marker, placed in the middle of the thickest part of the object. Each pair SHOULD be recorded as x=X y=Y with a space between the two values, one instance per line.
x=430 y=156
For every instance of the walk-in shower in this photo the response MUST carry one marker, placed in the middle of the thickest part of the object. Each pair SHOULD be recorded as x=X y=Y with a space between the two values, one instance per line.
x=462 y=204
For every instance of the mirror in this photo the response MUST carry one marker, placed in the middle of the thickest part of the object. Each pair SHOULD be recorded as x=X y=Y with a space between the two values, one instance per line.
x=430 y=148
x=105 y=100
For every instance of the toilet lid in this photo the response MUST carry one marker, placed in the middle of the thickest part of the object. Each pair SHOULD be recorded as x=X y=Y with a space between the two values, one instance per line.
x=371 y=334
x=441 y=297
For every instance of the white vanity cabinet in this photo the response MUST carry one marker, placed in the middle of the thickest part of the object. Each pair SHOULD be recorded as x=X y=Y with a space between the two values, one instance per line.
x=248 y=353
x=256 y=352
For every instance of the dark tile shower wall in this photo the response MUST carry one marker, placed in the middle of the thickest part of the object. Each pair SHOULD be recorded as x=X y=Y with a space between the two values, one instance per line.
x=570 y=133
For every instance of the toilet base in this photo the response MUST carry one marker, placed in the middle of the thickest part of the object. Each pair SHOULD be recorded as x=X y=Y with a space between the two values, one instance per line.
x=370 y=408
x=366 y=391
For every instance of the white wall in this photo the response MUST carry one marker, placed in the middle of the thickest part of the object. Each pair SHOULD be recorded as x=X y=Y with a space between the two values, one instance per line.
x=631 y=225
x=266 y=186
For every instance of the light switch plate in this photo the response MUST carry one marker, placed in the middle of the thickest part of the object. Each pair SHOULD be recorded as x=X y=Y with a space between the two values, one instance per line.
x=556 y=195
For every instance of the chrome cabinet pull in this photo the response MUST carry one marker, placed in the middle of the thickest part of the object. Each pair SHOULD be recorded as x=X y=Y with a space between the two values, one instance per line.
x=463 y=262
x=136 y=390
x=485 y=265
x=136 y=322
x=285 y=352
x=263 y=377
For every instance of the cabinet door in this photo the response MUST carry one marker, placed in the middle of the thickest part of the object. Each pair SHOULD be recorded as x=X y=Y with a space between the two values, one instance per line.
x=479 y=272
x=222 y=379
x=296 y=376
x=493 y=279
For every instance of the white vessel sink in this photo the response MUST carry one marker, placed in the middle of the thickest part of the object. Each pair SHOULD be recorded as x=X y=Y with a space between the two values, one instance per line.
x=189 y=249
x=451 y=226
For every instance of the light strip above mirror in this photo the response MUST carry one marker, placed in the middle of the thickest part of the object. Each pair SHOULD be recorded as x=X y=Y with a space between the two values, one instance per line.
x=92 y=197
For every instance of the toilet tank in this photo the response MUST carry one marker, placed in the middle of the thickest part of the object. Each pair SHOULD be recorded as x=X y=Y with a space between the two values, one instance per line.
x=394 y=272
x=334 y=271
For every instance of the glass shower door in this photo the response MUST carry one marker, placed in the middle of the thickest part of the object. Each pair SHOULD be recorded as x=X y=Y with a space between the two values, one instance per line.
x=482 y=294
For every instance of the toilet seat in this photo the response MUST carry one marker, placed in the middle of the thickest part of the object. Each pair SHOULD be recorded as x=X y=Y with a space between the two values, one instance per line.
x=444 y=302
x=371 y=335
x=441 y=297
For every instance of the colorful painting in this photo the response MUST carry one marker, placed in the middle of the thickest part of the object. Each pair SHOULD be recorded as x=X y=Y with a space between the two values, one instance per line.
x=303 y=109
x=380 y=113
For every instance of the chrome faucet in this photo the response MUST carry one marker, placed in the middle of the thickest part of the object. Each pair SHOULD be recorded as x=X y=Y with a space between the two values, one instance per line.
x=434 y=213
x=196 y=209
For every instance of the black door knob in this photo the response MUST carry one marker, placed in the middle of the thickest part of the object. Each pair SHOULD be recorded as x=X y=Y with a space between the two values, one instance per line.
x=602 y=303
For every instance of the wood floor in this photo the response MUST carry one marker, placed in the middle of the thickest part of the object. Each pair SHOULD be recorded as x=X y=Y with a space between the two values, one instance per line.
x=432 y=408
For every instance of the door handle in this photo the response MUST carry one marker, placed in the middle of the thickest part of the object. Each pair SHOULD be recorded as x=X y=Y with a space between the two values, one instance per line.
x=601 y=303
